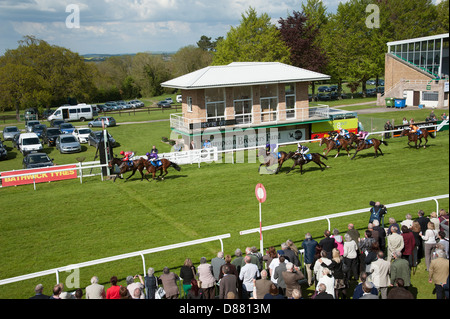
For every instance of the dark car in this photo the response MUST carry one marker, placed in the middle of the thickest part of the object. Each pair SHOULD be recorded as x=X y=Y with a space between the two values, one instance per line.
x=50 y=134
x=164 y=104
x=323 y=97
x=371 y=92
x=15 y=141
x=324 y=89
x=3 y=152
x=36 y=160
x=95 y=137
x=67 y=128
x=57 y=123
x=39 y=129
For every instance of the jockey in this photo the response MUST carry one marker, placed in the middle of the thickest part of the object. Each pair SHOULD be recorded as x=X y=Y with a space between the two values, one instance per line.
x=415 y=129
x=344 y=133
x=362 y=135
x=127 y=156
x=153 y=156
x=302 y=150
x=268 y=149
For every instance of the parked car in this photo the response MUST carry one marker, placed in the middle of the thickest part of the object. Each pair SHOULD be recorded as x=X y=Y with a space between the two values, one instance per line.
x=3 y=151
x=96 y=136
x=47 y=113
x=371 y=92
x=323 y=97
x=169 y=99
x=39 y=129
x=380 y=89
x=371 y=82
x=108 y=120
x=381 y=82
x=164 y=104
x=324 y=89
x=50 y=134
x=139 y=103
x=37 y=160
x=67 y=143
x=30 y=124
x=67 y=128
x=15 y=141
x=179 y=98
x=9 y=132
x=29 y=143
x=333 y=88
x=57 y=123
x=82 y=134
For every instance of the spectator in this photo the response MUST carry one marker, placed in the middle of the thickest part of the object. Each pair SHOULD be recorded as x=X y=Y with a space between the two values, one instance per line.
x=277 y=275
x=262 y=285
x=328 y=280
x=194 y=292
x=123 y=293
x=292 y=246
x=435 y=220
x=371 y=256
x=353 y=232
x=66 y=295
x=296 y=294
x=187 y=273
x=228 y=283
x=38 y=293
x=415 y=229
x=395 y=243
x=336 y=266
x=253 y=258
x=400 y=269
x=443 y=242
x=113 y=291
x=392 y=223
x=443 y=218
x=289 y=254
x=444 y=117
x=169 y=282
x=274 y=264
x=381 y=234
x=151 y=283
x=377 y=211
x=137 y=293
x=367 y=291
x=388 y=127
x=380 y=274
x=423 y=221
x=358 y=292
x=405 y=121
x=438 y=273
x=319 y=266
x=206 y=279
x=291 y=278
x=407 y=222
x=429 y=239
x=351 y=257
x=339 y=243
x=375 y=232
x=273 y=293
x=216 y=263
x=131 y=286
x=78 y=293
x=445 y=287
x=94 y=290
x=409 y=245
x=309 y=246
x=271 y=253
x=255 y=252
x=327 y=243
x=231 y=267
x=364 y=248
x=399 y=291
x=322 y=292
x=238 y=260
x=248 y=273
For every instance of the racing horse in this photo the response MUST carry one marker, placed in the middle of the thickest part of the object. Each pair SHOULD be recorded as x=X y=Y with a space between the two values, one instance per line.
x=413 y=137
x=353 y=138
x=125 y=167
x=313 y=157
x=366 y=144
x=268 y=161
x=165 y=164
x=331 y=144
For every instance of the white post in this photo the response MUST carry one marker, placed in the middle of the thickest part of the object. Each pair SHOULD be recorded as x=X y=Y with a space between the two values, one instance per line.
x=261 y=246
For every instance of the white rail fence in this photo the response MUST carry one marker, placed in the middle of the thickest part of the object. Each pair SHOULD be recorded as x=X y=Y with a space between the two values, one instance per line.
x=139 y=253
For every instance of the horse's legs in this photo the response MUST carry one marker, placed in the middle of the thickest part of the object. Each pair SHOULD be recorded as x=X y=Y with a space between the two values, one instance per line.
x=356 y=152
x=380 y=151
x=295 y=164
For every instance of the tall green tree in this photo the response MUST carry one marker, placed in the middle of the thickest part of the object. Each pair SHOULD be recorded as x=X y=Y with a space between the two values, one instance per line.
x=256 y=39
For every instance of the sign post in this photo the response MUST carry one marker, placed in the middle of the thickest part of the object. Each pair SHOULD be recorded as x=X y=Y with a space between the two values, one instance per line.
x=260 y=193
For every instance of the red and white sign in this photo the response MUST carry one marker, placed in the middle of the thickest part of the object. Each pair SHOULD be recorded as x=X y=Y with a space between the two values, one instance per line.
x=37 y=175
x=260 y=193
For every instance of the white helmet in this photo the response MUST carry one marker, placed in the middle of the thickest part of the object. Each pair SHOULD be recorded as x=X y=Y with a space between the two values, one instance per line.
x=298 y=144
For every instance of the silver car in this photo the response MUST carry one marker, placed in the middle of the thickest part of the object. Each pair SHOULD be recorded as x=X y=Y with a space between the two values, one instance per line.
x=67 y=143
x=9 y=132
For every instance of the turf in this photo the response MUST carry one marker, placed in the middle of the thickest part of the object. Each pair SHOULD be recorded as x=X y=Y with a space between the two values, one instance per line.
x=66 y=222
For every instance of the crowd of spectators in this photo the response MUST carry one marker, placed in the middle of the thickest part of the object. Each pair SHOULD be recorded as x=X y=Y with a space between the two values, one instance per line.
x=376 y=265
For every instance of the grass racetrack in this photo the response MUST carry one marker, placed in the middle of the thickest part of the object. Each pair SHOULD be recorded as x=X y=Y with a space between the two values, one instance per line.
x=63 y=223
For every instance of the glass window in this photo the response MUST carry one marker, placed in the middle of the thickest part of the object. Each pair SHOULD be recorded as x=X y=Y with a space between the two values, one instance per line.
x=290 y=106
x=430 y=45
x=289 y=89
x=242 y=92
x=269 y=90
x=189 y=104
x=73 y=111
x=430 y=96
x=215 y=95
x=243 y=111
x=215 y=111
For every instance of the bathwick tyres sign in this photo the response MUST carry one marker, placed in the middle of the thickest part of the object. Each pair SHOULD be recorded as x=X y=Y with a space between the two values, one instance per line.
x=38 y=175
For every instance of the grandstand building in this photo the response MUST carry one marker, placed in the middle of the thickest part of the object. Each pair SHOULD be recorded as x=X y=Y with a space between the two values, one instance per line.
x=418 y=70
x=252 y=99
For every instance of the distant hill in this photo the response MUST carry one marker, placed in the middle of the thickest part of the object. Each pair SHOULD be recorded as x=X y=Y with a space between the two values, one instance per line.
x=102 y=57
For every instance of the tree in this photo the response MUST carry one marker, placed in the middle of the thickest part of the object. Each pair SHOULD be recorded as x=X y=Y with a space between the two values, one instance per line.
x=256 y=39
x=189 y=59
x=442 y=17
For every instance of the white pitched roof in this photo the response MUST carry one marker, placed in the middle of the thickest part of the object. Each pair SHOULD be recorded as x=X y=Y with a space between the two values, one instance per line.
x=242 y=74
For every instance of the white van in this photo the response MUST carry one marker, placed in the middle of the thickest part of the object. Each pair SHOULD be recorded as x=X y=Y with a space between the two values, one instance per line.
x=28 y=143
x=80 y=112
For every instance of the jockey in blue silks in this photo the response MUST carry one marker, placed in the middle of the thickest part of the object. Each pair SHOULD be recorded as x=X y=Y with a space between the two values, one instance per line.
x=302 y=150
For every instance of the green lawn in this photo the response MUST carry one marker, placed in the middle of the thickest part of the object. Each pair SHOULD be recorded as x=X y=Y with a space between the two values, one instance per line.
x=66 y=222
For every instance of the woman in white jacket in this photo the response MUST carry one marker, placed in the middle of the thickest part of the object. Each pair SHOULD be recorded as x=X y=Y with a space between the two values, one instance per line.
x=429 y=240
x=350 y=257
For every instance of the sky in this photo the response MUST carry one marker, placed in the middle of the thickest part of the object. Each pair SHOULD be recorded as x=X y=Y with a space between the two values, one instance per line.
x=129 y=26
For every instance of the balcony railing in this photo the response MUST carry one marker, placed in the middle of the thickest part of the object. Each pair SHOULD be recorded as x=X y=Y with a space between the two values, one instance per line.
x=188 y=125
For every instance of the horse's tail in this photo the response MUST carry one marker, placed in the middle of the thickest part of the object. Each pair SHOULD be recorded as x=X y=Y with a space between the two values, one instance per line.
x=431 y=135
x=323 y=156
x=384 y=142
x=174 y=165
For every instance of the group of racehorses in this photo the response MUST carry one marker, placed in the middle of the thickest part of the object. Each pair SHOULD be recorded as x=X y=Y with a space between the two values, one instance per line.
x=339 y=144
x=139 y=165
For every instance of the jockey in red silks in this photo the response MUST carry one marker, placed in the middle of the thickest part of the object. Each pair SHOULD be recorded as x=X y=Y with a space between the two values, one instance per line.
x=127 y=156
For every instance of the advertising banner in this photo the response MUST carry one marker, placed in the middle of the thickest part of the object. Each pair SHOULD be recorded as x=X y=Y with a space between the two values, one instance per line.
x=38 y=176
x=319 y=130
